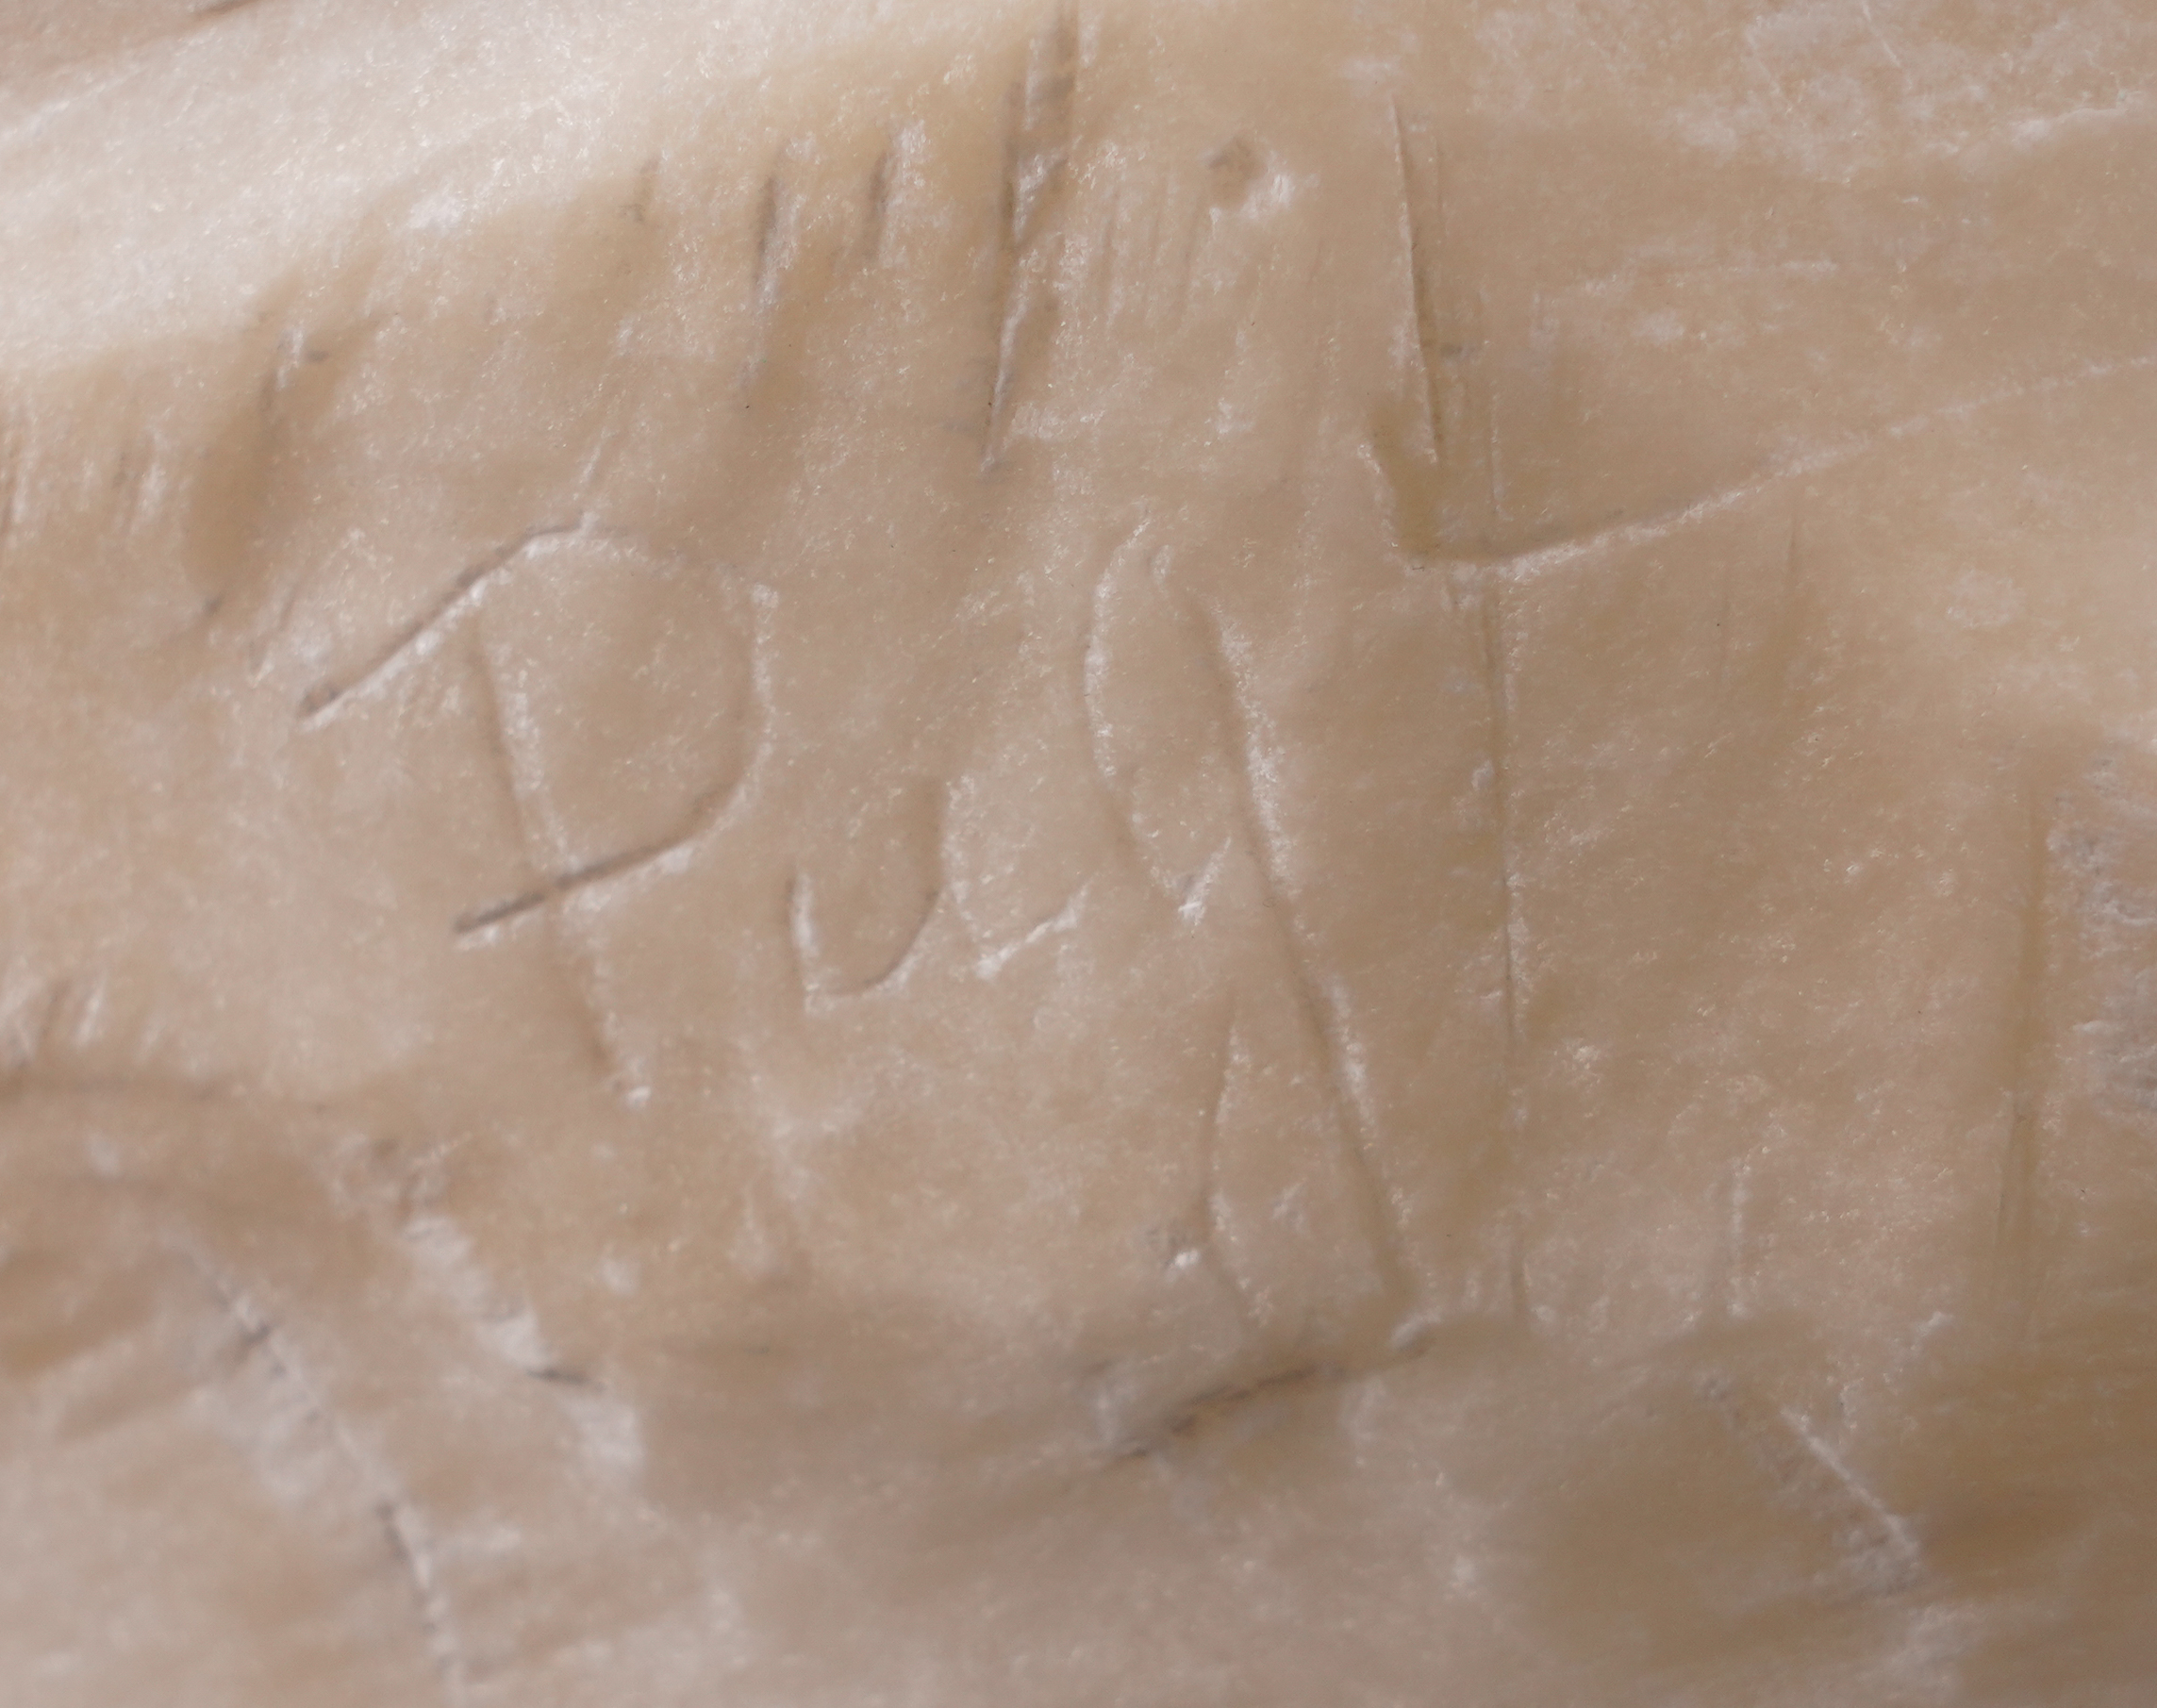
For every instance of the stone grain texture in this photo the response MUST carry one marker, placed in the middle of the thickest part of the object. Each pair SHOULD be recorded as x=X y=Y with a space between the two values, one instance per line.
x=1268 y=855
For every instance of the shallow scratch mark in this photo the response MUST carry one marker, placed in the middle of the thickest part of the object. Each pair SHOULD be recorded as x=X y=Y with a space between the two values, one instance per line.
x=1419 y=292
x=1209 y=1216
x=1594 y=542
x=1902 y=1542
x=1722 y=637
x=403 y=1528
x=1011 y=323
x=1064 y=919
x=1220 y=1404
x=903 y=963
x=705 y=814
x=1107 y=245
x=1192 y=904
x=1498 y=686
x=801 y=936
x=1768 y=77
x=1493 y=469
x=2013 y=1231
x=1093 y=694
x=1093 y=680
x=1094 y=665
x=1150 y=265
x=1736 y=1292
x=1318 y=1013
x=1216 y=1404
x=1880 y=36
x=771 y=220
x=10 y=485
x=1517 y=1277
x=808 y=944
x=1793 y=1455
x=48 y=1031
x=1036 y=149
x=407 y=1540
x=879 y=205
x=638 y=206
x=578 y=978
x=702 y=812
x=419 y=635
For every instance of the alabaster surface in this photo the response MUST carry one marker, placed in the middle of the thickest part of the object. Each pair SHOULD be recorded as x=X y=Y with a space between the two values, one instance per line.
x=1269 y=854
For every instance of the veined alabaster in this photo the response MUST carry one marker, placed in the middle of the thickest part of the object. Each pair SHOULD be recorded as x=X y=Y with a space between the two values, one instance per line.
x=1271 y=853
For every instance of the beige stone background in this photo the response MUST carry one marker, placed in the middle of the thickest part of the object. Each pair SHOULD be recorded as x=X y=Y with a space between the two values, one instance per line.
x=1273 y=853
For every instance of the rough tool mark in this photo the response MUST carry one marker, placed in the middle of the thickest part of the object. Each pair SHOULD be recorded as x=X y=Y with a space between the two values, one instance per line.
x=2014 y=1239
x=1264 y=842
x=1594 y=542
x=1037 y=148
x=705 y=813
x=423 y=633
x=404 y=1531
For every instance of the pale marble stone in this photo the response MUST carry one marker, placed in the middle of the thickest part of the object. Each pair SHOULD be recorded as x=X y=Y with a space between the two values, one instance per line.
x=1276 y=853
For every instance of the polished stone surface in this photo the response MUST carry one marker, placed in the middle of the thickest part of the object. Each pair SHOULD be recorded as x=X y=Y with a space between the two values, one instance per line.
x=1267 y=854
